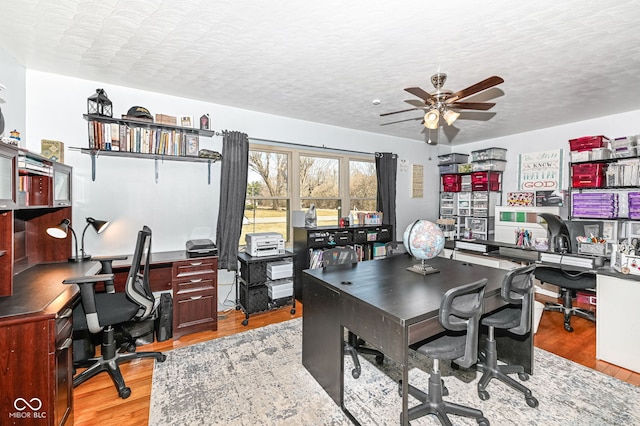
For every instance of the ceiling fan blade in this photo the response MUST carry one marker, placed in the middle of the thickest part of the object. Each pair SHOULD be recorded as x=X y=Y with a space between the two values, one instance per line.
x=397 y=112
x=402 y=121
x=482 y=106
x=478 y=87
x=421 y=94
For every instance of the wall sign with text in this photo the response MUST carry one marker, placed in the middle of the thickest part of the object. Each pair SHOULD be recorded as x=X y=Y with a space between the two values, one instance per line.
x=540 y=171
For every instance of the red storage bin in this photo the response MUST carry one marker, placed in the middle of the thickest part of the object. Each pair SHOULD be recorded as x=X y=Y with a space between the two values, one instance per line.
x=485 y=186
x=451 y=179
x=451 y=187
x=588 y=175
x=483 y=177
x=587 y=143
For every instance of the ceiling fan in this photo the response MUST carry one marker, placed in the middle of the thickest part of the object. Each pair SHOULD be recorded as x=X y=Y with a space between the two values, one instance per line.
x=445 y=103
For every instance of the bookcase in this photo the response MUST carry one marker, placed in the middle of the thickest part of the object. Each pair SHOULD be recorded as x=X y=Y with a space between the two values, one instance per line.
x=308 y=244
x=120 y=137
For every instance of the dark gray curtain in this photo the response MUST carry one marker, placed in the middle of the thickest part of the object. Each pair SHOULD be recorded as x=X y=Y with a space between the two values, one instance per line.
x=233 y=189
x=386 y=171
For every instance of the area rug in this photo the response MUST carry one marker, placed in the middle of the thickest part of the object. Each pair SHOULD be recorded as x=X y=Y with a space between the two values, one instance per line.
x=257 y=378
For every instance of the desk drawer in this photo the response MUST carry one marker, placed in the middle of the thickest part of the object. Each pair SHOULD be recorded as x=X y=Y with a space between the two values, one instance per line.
x=195 y=283
x=196 y=266
x=64 y=325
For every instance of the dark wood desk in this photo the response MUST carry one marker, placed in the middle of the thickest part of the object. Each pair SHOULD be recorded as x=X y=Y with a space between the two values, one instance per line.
x=390 y=308
x=35 y=344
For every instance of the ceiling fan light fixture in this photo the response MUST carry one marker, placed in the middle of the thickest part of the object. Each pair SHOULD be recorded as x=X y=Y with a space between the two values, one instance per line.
x=431 y=119
x=450 y=116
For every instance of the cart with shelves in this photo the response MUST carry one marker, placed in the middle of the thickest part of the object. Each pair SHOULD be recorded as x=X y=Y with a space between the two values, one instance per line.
x=265 y=283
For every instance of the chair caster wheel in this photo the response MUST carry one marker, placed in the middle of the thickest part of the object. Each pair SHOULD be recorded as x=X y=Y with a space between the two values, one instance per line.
x=125 y=393
x=483 y=394
x=245 y=322
x=162 y=358
x=523 y=376
x=532 y=402
x=483 y=421
x=379 y=359
x=355 y=373
x=568 y=328
x=293 y=311
x=131 y=348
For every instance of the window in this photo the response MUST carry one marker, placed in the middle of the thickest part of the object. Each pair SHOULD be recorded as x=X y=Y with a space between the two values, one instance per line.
x=282 y=179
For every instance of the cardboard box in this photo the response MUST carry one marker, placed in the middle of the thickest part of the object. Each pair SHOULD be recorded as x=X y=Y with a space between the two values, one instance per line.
x=166 y=119
x=53 y=150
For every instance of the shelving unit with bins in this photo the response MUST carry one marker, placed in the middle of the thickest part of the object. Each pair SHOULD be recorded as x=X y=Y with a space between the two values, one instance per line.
x=253 y=282
x=95 y=150
x=308 y=240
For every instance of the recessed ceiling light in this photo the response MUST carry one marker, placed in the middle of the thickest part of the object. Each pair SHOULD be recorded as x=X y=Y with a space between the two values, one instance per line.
x=376 y=101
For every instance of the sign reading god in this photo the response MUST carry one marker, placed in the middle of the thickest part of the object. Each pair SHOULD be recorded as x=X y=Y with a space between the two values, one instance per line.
x=540 y=171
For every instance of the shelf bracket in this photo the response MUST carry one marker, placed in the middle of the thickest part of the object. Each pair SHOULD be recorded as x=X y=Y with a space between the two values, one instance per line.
x=209 y=172
x=93 y=166
x=156 y=169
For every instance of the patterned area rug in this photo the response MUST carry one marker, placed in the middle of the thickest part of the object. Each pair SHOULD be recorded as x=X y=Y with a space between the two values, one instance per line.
x=257 y=377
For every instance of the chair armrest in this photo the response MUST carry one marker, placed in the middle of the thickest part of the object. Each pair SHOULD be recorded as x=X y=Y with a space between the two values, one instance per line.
x=88 y=297
x=107 y=258
x=88 y=279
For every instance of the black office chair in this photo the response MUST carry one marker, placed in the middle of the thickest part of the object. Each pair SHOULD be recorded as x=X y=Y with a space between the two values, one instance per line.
x=460 y=312
x=353 y=345
x=569 y=282
x=517 y=291
x=101 y=312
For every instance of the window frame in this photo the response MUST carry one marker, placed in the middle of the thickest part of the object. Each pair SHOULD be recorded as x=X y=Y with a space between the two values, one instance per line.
x=293 y=172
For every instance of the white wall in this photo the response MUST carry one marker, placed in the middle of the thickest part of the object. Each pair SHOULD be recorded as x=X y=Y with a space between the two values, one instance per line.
x=12 y=98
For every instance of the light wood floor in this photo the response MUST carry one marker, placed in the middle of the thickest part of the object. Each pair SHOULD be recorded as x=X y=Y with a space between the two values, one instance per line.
x=97 y=402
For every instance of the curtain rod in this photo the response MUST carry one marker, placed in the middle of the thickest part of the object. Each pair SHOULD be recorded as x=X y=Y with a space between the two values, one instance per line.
x=310 y=146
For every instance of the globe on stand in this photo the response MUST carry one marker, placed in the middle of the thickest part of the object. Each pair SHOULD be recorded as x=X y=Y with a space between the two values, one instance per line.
x=423 y=240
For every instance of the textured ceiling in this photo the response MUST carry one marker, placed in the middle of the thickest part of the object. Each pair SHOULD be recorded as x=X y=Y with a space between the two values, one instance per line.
x=327 y=61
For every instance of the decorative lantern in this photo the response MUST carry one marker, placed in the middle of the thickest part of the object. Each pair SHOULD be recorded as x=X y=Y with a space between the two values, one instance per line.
x=99 y=104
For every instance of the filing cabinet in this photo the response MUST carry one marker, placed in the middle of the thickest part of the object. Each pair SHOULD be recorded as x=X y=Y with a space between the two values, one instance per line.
x=195 y=293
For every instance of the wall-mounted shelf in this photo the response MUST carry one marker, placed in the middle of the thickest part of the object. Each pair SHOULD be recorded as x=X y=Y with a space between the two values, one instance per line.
x=95 y=149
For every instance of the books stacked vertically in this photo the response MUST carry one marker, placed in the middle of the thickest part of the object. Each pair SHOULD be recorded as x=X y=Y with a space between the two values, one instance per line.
x=122 y=137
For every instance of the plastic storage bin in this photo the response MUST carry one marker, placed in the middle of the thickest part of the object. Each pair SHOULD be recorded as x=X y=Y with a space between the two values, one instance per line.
x=483 y=177
x=489 y=154
x=448 y=168
x=450 y=183
x=494 y=165
x=588 y=175
x=452 y=158
x=485 y=186
x=587 y=143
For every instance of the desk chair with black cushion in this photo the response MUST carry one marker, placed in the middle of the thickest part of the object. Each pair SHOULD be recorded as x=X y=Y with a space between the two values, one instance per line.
x=342 y=256
x=460 y=312
x=517 y=291
x=101 y=312
x=569 y=282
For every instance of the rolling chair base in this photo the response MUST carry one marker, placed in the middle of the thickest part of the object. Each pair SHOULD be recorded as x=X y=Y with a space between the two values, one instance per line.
x=432 y=403
x=490 y=369
x=567 y=308
x=353 y=347
x=110 y=361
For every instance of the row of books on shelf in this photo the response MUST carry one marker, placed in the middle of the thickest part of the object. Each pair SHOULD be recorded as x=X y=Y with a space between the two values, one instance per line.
x=363 y=252
x=117 y=137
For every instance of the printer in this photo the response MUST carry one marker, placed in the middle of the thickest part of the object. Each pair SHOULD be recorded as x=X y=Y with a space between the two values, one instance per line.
x=261 y=244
